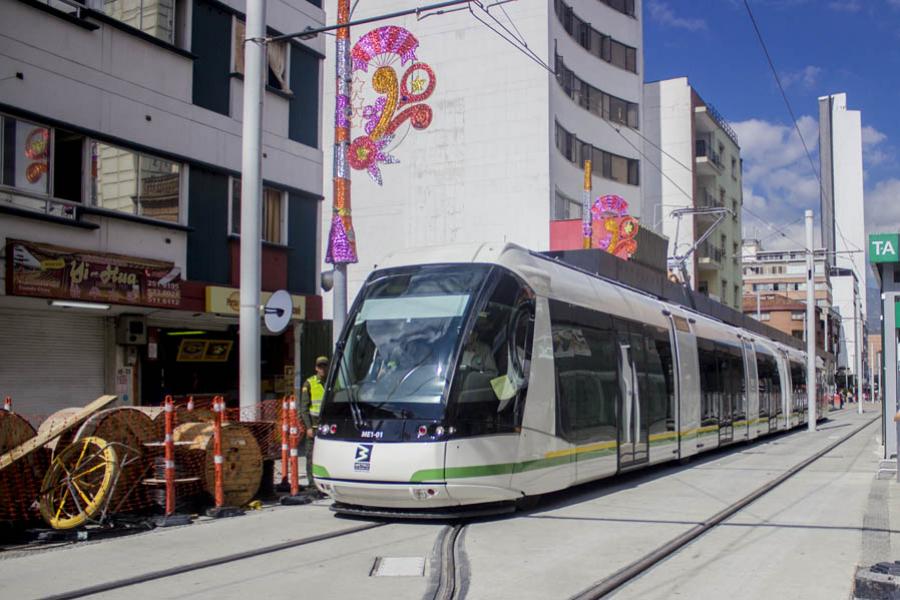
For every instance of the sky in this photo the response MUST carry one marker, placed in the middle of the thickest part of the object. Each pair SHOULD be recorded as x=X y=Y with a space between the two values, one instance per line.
x=819 y=47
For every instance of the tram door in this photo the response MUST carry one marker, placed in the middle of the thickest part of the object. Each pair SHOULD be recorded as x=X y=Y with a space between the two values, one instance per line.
x=688 y=377
x=750 y=399
x=633 y=422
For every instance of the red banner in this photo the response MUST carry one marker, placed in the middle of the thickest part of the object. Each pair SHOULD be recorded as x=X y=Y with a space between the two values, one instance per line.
x=67 y=274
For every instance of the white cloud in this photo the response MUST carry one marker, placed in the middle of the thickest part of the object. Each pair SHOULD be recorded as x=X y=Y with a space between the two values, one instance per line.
x=875 y=151
x=882 y=206
x=808 y=76
x=871 y=136
x=663 y=14
x=778 y=181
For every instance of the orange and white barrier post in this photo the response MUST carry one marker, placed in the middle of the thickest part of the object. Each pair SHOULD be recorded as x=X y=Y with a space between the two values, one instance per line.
x=218 y=459
x=190 y=404
x=285 y=431
x=170 y=456
x=7 y=404
x=294 y=442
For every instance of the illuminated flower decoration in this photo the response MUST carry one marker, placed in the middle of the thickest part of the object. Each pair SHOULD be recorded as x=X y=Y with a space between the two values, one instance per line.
x=366 y=154
x=614 y=229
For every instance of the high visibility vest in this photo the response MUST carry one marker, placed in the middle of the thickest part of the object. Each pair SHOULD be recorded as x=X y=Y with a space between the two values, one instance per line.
x=316 y=393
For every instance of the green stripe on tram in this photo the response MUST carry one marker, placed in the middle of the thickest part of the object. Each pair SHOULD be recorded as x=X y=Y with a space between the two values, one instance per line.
x=319 y=471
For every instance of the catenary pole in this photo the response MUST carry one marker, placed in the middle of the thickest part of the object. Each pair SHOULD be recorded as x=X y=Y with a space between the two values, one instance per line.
x=857 y=308
x=810 y=324
x=251 y=191
x=341 y=238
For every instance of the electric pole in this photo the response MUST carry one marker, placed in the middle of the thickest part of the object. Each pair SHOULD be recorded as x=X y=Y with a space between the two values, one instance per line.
x=810 y=324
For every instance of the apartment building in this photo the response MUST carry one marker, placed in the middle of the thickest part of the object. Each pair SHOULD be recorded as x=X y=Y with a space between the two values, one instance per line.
x=700 y=178
x=120 y=124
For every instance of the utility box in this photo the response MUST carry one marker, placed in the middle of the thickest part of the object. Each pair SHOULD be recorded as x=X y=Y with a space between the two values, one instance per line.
x=131 y=330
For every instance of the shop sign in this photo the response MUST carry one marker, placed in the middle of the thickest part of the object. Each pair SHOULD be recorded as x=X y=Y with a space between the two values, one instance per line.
x=124 y=377
x=884 y=247
x=227 y=301
x=48 y=271
x=204 y=350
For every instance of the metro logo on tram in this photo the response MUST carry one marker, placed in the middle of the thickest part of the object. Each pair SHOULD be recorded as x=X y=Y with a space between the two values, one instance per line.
x=361 y=461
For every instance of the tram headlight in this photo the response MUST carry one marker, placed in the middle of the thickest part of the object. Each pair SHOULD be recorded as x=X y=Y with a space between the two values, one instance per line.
x=439 y=431
x=323 y=429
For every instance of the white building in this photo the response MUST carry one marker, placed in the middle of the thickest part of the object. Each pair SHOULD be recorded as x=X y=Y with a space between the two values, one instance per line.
x=843 y=225
x=120 y=142
x=700 y=168
x=500 y=154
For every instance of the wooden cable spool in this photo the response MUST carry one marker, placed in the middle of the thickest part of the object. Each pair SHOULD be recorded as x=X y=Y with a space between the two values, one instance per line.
x=20 y=482
x=242 y=469
x=55 y=419
x=129 y=430
x=182 y=415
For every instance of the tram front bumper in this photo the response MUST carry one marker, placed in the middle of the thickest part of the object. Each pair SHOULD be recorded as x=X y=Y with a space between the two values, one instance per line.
x=412 y=495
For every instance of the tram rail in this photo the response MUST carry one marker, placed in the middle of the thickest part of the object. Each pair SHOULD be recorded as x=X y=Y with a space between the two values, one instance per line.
x=205 y=564
x=623 y=576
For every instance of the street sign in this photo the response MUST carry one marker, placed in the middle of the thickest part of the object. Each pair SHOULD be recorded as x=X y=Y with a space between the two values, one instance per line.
x=277 y=311
x=884 y=247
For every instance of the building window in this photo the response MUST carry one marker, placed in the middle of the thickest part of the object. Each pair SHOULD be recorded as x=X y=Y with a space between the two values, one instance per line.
x=607 y=165
x=737 y=295
x=798 y=316
x=600 y=45
x=734 y=167
x=276 y=54
x=797 y=333
x=623 y=6
x=25 y=155
x=273 y=213
x=565 y=208
x=155 y=17
x=135 y=183
x=595 y=100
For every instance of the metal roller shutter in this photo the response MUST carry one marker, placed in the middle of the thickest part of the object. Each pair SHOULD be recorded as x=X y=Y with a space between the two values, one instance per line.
x=50 y=360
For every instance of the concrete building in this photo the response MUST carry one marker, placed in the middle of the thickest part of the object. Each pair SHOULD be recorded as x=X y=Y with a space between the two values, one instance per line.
x=700 y=162
x=843 y=226
x=780 y=275
x=119 y=195
x=499 y=150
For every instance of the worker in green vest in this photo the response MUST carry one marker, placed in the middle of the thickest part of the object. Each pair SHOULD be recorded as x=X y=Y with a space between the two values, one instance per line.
x=311 y=395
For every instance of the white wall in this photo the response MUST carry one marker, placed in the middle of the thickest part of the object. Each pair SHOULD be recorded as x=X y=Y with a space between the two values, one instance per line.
x=842 y=287
x=480 y=170
x=668 y=117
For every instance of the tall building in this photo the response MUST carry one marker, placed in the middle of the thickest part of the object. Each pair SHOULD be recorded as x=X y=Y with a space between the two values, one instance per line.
x=843 y=225
x=458 y=136
x=120 y=144
x=700 y=168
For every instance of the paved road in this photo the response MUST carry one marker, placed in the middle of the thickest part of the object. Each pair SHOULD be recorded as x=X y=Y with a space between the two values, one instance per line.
x=801 y=541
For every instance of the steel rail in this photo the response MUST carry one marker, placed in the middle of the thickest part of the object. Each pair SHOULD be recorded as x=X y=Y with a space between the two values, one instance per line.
x=205 y=564
x=447 y=587
x=627 y=573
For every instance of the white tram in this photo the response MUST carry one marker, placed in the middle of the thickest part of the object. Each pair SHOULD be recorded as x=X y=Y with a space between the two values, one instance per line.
x=485 y=374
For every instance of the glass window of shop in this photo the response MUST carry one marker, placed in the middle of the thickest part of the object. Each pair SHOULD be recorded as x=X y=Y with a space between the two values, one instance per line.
x=134 y=183
x=154 y=17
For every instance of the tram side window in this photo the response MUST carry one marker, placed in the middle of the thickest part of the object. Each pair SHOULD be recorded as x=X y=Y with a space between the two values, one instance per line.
x=710 y=382
x=769 y=385
x=491 y=382
x=658 y=391
x=730 y=383
x=585 y=359
x=798 y=380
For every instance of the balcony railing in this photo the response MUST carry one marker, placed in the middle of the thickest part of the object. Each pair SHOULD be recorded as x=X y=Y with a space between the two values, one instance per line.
x=705 y=149
x=711 y=252
x=38 y=203
x=707 y=199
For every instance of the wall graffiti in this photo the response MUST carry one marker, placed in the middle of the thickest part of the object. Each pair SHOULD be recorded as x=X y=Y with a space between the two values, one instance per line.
x=400 y=102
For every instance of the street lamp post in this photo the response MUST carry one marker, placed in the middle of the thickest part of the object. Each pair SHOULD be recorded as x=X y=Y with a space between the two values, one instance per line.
x=810 y=325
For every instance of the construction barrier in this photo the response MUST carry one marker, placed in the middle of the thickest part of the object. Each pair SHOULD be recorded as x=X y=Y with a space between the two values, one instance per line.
x=174 y=458
x=7 y=404
x=294 y=441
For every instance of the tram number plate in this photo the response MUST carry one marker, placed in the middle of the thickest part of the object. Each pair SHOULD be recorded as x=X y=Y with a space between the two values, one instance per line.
x=362 y=460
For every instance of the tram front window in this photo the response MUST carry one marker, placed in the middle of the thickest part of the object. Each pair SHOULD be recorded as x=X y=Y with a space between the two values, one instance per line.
x=395 y=360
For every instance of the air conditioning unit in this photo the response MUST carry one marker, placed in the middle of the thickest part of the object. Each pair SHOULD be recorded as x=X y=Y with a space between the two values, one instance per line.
x=131 y=330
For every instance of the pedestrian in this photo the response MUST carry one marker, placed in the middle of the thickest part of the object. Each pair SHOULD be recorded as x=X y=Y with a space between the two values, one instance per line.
x=311 y=395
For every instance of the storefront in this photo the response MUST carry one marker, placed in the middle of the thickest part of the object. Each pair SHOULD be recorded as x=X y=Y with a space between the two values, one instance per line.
x=75 y=324
x=884 y=254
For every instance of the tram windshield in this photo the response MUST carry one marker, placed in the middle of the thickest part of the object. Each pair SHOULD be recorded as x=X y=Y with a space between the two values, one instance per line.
x=396 y=356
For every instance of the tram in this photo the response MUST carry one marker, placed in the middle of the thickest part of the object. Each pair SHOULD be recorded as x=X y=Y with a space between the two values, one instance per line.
x=478 y=376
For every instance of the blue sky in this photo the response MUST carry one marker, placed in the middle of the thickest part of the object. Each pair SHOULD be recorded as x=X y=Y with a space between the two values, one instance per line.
x=818 y=47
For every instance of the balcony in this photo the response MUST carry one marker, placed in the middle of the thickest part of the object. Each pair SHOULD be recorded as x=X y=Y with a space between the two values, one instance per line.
x=19 y=200
x=709 y=162
x=710 y=256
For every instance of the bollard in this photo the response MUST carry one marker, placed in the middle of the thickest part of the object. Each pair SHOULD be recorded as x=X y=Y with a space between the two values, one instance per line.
x=897 y=424
x=7 y=404
x=190 y=404
x=294 y=442
x=170 y=456
x=285 y=429
x=218 y=459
